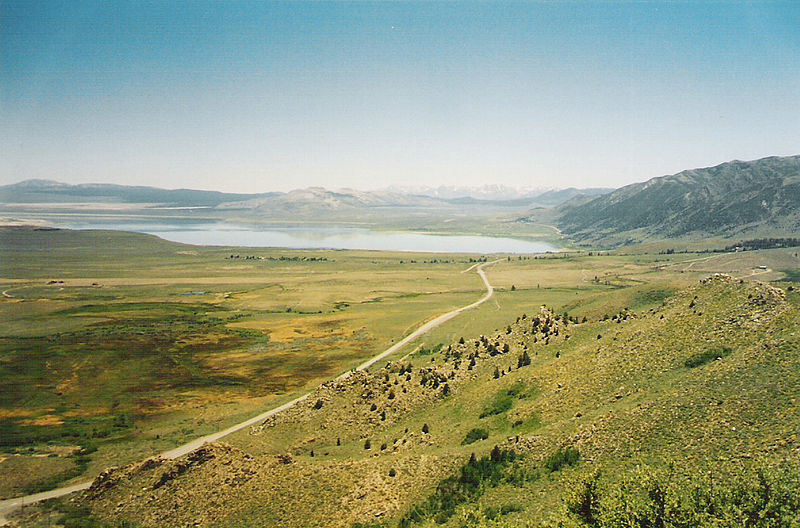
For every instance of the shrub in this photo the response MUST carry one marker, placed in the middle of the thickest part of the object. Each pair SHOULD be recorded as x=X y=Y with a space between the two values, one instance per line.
x=765 y=497
x=499 y=405
x=473 y=478
x=474 y=435
x=562 y=457
x=524 y=360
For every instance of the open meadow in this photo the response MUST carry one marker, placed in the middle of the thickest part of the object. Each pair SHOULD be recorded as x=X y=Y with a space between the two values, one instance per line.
x=116 y=346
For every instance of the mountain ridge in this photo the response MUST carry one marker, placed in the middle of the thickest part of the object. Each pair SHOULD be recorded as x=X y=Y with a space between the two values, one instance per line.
x=52 y=191
x=732 y=199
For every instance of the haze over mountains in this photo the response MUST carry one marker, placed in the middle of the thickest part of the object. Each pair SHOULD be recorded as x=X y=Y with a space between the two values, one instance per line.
x=49 y=191
x=734 y=199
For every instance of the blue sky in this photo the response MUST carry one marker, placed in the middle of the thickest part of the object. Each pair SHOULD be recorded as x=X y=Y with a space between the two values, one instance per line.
x=257 y=96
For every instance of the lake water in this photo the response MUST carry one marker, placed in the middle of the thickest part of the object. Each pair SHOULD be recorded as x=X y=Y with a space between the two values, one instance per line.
x=327 y=238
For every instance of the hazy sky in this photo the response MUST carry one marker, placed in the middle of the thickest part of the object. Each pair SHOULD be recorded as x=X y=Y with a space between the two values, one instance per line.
x=256 y=96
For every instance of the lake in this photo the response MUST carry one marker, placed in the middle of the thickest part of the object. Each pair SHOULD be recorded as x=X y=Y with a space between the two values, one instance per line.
x=217 y=234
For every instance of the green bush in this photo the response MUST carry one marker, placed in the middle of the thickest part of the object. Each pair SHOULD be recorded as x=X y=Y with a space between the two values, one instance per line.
x=758 y=498
x=474 y=435
x=473 y=478
x=562 y=457
x=499 y=405
x=504 y=400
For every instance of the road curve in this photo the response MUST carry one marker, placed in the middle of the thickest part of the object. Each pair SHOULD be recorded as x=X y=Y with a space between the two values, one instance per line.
x=433 y=323
x=8 y=505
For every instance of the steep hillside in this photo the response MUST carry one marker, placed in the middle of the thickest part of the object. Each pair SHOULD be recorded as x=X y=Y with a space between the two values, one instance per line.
x=759 y=197
x=706 y=384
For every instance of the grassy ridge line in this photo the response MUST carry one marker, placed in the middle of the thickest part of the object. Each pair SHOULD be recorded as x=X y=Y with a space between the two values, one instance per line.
x=11 y=504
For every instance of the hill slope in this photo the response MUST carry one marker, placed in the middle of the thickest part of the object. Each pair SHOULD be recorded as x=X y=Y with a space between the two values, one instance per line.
x=707 y=382
x=738 y=198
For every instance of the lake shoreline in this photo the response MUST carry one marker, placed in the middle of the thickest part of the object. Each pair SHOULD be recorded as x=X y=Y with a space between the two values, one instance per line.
x=313 y=236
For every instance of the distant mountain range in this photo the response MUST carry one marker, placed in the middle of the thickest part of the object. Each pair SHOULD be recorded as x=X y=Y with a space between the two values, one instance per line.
x=737 y=199
x=53 y=192
x=500 y=194
x=490 y=192
x=48 y=191
x=734 y=199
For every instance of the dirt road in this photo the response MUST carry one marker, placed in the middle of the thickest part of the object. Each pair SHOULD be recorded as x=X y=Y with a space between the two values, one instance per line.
x=8 y=505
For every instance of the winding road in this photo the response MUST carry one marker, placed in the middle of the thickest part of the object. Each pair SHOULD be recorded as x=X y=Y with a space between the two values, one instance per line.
x=9 y=505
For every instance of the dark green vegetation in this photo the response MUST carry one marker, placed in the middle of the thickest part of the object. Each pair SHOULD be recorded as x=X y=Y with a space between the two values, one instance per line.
x=763 y=243
x=474 y=435
x=563 y=457
x=759 y=198
x=69 y=515
x=504 y=400
x=765 y=497
x=473 y=478
x=702 y=358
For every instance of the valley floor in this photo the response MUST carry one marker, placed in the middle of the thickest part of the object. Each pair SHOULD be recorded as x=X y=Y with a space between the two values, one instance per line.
x=634 y=363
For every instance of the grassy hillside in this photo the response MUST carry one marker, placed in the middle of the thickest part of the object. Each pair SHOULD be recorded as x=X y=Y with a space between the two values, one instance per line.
x=732 y=200
x=683 y=412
